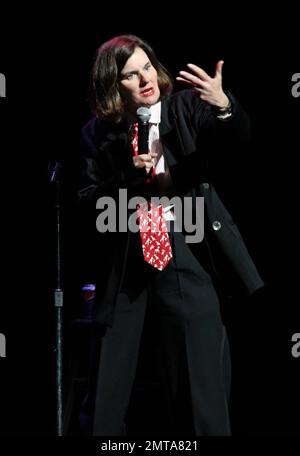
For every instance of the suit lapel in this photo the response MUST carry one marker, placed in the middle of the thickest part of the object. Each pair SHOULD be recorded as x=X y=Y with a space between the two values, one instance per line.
x=169 y=134
x=113 y=143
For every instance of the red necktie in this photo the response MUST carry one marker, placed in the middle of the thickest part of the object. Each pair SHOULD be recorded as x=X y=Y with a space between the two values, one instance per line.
x=153 y=229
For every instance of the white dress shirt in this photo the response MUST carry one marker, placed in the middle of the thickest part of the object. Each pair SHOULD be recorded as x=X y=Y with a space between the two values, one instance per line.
x=161 y=168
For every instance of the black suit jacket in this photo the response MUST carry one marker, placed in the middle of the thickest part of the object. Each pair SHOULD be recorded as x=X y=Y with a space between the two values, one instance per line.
x=195 y=143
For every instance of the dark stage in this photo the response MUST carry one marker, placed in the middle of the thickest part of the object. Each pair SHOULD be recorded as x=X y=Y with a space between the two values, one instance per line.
x=46 y=63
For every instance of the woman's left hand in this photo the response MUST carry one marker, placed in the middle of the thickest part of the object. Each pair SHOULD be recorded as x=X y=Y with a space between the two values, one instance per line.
x=210 y=89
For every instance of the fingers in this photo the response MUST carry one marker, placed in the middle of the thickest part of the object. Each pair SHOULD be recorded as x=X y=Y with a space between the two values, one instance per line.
x=144 y=161
x=219 y=67
x=185 y=81
x=148 y=168
x=198 y=77
x=198 y=72
x=209 y=89
x=192 y=80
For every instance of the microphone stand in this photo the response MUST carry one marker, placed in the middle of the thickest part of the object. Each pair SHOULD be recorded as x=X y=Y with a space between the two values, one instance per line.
x=54 y=178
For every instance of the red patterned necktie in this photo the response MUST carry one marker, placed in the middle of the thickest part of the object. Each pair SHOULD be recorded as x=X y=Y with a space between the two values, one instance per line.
x=156 y=245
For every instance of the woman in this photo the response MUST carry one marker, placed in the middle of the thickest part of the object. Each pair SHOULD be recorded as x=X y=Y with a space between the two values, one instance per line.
x=189 y=132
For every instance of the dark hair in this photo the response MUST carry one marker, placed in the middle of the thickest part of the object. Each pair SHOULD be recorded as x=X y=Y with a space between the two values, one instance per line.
x=106 y=100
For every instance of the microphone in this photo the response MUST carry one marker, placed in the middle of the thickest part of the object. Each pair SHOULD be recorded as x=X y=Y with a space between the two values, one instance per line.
x=143 y=115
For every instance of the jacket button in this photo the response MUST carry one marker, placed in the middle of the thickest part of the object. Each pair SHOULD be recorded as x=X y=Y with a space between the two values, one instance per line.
x=216 y=225
x=205 y=185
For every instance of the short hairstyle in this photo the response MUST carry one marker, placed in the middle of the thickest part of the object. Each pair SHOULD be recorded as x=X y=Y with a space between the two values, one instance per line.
x=111 y=57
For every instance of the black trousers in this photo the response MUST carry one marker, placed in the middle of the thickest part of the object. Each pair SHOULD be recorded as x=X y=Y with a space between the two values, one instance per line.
x=192 y=339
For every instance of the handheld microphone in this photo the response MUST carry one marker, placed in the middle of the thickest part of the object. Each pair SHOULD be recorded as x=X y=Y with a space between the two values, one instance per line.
x=143 y=115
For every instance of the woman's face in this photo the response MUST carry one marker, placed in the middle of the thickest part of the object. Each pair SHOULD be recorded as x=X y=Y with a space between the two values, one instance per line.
x=138 y=84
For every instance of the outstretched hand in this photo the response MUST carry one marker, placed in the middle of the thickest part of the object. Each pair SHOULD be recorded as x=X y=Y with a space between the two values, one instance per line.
x=210 y=89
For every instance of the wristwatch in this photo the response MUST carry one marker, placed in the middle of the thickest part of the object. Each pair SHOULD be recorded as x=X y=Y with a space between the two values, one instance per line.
x=224 y=113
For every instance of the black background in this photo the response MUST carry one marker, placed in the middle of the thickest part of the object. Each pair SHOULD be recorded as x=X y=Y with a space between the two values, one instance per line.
x=46 y=57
